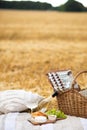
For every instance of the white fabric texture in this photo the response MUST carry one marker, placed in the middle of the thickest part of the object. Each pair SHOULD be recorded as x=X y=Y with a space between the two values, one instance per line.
x=18 y=100
x=70 y=123
x=21 y=123
x=47 y=127
x=84 y=123
x=10 y=121
x=84 y=93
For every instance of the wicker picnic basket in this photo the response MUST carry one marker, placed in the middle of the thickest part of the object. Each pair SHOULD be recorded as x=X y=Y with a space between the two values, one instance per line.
x=72 y=102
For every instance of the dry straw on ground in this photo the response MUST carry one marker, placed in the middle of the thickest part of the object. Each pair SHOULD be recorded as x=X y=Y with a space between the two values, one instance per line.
x=33 y=43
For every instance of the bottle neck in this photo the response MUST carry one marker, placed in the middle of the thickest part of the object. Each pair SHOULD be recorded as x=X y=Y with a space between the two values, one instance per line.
x=55 y=94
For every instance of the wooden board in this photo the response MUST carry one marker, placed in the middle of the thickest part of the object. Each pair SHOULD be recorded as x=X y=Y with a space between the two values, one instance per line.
x=48 y=121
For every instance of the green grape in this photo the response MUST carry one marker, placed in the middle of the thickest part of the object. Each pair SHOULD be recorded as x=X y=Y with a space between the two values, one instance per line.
x=58 y=113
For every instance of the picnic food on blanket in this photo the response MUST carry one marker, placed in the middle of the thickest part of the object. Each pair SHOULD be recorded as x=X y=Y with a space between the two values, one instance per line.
x=38 y=113
x=40 y=119
x=52 y=117
x=58 y=113
x=53 y=112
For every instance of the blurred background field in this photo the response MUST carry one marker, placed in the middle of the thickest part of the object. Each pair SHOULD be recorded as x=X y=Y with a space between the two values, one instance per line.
x=33 y=43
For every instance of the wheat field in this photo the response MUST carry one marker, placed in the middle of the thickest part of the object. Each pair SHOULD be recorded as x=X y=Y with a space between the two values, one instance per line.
x=33 y=43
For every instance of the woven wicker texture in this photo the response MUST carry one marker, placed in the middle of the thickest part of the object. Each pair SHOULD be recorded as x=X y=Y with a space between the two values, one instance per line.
x=72 y=102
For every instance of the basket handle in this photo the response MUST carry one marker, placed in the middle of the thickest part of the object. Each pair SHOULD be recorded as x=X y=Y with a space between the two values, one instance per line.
x=77 y=75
